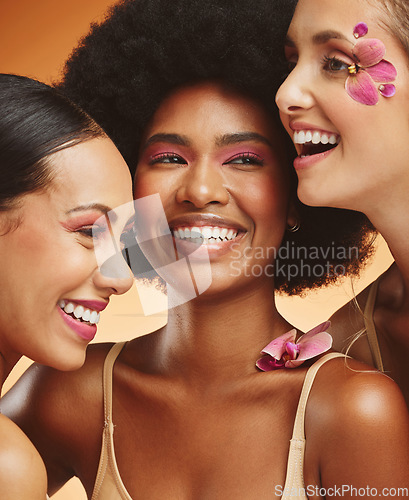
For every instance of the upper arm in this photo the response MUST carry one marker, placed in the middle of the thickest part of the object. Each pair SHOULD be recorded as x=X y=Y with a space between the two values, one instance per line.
x=365 y=437
x=22 y=472
x=33 y=404
x=62 y=414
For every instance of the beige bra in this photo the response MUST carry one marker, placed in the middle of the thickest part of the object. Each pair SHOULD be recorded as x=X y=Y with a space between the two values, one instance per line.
x=109 y=485
x=370 y=326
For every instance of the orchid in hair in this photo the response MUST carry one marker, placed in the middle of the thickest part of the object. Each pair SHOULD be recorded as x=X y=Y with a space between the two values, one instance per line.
x=370 y=67
x=286 y=352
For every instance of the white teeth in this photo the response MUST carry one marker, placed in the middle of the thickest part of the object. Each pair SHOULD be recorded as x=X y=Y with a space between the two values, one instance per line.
x=86 y=315
x=69 y=308
x=79 y=312
x=205 y=234
x=93 y=317
x=299 y=137
x=223 y=233
x=194 y=232
x=316 y=138
x=305 y=136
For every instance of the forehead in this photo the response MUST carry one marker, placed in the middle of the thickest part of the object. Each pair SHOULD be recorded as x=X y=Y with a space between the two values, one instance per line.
x=211 y=109
x=314 y=16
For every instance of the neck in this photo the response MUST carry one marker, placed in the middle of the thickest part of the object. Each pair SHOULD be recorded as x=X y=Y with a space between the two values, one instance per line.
x=214 y=338
x=5 y=368
x=392 y=224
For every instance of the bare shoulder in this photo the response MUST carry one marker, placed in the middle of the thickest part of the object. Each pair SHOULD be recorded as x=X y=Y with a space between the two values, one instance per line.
x=61 y=413
x=357 y=393
x=44 y=390
x=358 y=421
x=22 y=472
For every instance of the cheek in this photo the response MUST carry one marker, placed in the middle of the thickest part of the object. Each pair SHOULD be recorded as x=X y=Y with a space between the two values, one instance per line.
x=267 y=200
x=150 y=182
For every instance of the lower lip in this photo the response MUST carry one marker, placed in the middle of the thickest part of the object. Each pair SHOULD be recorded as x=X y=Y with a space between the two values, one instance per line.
x=308 y=161
x=186 y=247
x=86 y=332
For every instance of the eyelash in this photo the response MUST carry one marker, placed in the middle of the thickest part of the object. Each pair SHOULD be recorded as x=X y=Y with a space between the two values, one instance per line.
x=328 y=61
x=247 y=159
x=161 y=158
x=91 y=231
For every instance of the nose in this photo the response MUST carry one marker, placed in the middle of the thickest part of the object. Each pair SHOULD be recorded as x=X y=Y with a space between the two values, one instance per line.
x=114 y=276
x=295 y=93
x=203 y=184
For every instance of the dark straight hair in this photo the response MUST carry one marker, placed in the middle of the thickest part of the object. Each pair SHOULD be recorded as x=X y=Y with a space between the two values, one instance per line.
x=36 y=120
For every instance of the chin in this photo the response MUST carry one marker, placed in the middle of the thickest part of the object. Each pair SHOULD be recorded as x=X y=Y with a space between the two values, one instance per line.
x=313 y=197
x=67 y=360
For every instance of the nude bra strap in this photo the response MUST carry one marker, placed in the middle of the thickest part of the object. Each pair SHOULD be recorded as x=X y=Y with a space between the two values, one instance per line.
x=107 y=382
x=370 y=326
x=298 y=431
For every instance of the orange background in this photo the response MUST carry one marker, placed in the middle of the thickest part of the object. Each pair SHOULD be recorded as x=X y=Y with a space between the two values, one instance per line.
x=35 y=39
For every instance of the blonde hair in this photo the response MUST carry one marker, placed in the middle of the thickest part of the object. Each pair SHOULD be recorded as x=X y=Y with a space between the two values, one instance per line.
x=397 y=21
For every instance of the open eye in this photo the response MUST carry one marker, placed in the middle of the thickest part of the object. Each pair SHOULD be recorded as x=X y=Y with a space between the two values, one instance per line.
x=248 y=158
x=334 y=65
x=169 y=157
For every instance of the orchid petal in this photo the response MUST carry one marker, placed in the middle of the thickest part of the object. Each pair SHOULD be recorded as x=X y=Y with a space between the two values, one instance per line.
x=268 y=364
x=361 y=29
x=322 y=327
x=387 y=90
x=292 y=349
x=311 y=347
x=369 y=51
x=384 y=71
x=276 y=348
x=362 y=88
x=293 y=363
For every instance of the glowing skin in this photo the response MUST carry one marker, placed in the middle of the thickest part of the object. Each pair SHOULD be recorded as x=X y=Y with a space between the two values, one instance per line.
x=211 y=155
x=48 y=258
x=370 y=160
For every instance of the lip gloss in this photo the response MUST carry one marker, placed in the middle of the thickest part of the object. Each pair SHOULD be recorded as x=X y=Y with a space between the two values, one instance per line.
x=86 y=332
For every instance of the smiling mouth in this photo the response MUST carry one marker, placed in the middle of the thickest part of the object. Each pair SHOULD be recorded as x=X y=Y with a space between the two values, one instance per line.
x=206 y=235
x=79 y=313
x=313 y=143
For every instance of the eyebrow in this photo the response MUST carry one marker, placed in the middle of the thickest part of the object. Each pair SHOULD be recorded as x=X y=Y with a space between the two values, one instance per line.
x=224 y=140
x=104 y=209
x=170 y=138
x=228 y=139
x=320 y=38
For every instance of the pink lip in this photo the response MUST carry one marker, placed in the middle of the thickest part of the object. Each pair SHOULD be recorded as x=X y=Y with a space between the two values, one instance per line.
x=308 y=161
x=295 y=126
x=96 y=305
x=86 y=332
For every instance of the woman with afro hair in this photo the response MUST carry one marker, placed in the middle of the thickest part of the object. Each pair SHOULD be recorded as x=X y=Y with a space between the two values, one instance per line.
x=193 y=410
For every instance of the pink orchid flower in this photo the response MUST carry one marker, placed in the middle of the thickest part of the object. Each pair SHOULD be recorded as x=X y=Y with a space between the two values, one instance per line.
x=286 y=352
x=369 y=68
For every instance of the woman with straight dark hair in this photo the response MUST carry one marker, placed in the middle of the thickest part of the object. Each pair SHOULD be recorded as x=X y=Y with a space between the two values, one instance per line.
x=59 y=172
